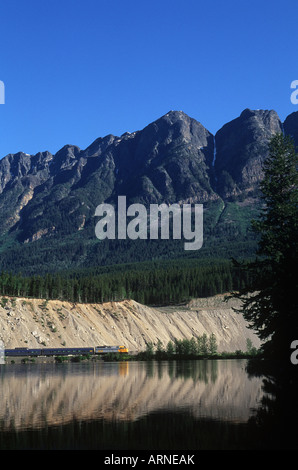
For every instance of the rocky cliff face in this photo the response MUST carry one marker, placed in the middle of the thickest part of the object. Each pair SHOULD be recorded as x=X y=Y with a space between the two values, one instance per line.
x=168 y=161
x=241 y=146
x=174 y=159
x=290 y=126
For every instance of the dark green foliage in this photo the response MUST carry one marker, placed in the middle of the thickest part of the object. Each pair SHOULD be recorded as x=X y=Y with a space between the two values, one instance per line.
x=226 y=233
x=199 y=347
x=148 y=283
x=270 y=298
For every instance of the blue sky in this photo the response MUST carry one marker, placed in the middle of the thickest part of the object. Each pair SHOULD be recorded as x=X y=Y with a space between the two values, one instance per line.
x=75 y=70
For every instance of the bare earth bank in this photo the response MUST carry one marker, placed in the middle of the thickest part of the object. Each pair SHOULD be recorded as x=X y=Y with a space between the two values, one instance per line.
x=36 y=323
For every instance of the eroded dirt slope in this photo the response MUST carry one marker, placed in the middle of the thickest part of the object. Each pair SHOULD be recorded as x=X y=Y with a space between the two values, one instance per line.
x=37 y=323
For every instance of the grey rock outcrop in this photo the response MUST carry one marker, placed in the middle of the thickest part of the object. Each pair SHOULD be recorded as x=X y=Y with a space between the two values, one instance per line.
x=241 y=147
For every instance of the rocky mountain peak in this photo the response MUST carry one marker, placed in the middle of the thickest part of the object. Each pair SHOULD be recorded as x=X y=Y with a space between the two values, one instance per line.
x=241 y=146
x=291 y=126
x=174 y=159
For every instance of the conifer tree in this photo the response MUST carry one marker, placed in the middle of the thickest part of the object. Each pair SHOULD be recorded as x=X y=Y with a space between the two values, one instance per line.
x=270 y=298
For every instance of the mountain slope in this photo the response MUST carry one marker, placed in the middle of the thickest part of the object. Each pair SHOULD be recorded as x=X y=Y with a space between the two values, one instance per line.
x=48 y=202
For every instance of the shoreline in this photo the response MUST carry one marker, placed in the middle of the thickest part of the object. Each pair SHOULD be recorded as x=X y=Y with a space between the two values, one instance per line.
x=11 y=360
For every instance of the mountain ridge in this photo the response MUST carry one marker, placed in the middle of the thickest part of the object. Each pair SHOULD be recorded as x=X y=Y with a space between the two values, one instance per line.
x=174 y=159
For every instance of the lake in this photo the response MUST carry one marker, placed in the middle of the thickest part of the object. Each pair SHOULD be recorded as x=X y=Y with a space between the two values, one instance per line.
x=181 y=405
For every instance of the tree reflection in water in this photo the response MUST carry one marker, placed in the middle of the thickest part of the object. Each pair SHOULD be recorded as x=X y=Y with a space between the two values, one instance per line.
x=275 y=421
x=188 y=405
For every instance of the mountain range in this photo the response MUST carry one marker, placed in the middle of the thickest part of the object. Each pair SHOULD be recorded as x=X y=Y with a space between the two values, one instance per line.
x=48 y=202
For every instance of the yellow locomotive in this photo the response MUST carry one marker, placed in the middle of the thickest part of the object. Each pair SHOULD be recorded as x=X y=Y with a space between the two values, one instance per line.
x=110 y=349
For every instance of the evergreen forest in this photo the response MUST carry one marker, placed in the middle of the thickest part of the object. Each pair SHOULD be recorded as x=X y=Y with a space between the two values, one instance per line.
x=151 y=283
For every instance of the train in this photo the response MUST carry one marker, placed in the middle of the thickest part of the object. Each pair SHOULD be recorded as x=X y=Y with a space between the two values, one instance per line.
x=97 y=350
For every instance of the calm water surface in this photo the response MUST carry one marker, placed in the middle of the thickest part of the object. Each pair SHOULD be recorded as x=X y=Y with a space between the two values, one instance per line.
x=132 y=405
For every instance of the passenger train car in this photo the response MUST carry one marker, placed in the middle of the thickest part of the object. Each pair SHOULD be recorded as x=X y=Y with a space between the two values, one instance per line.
x=65 y=351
